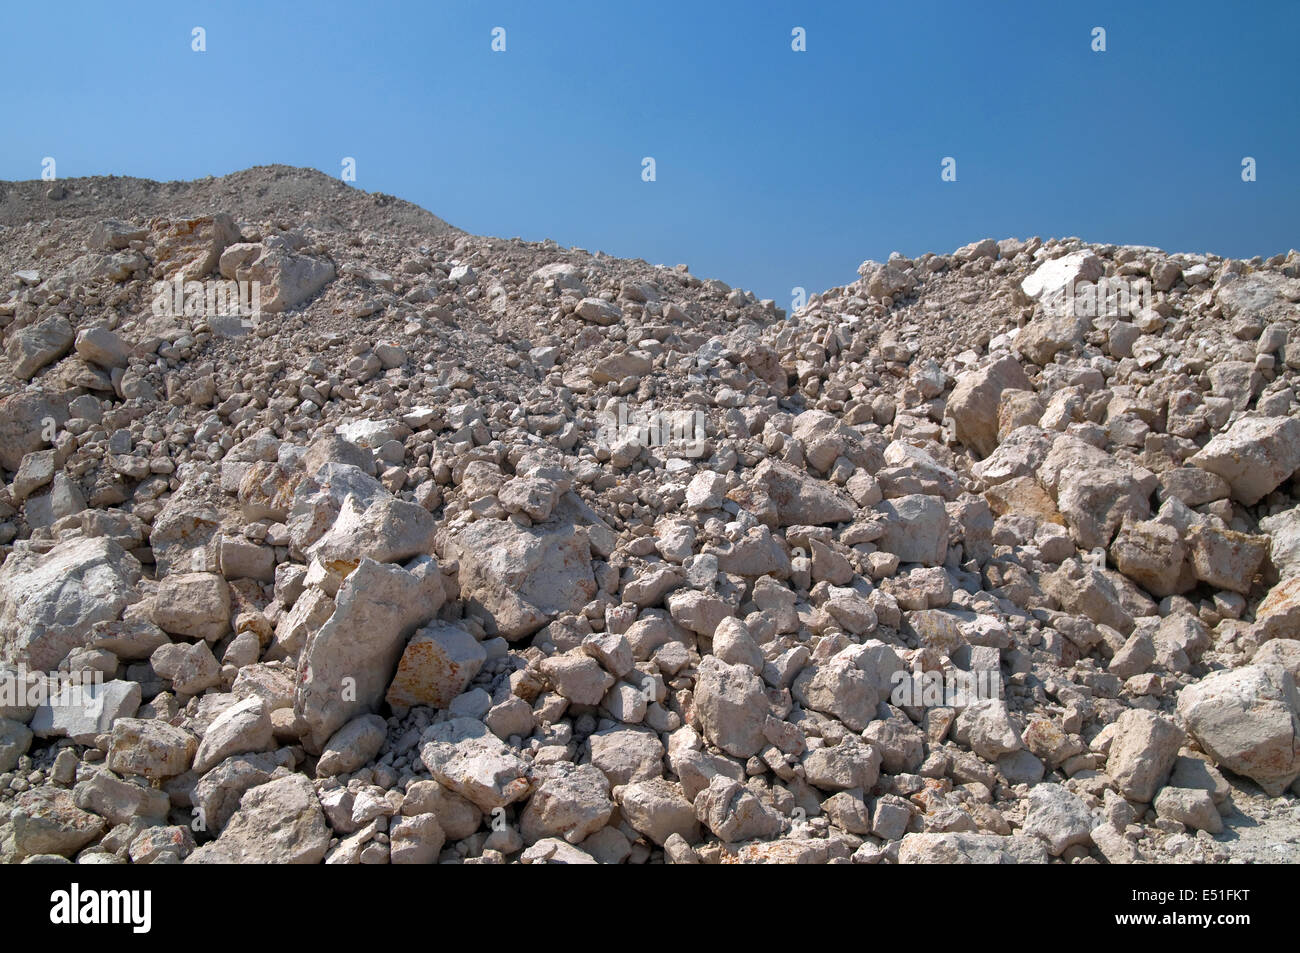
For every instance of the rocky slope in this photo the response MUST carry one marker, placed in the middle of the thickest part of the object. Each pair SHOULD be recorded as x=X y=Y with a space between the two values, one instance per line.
x=456 y=549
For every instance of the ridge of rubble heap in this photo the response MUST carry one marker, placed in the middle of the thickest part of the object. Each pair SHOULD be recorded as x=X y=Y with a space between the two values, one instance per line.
x=371 y=577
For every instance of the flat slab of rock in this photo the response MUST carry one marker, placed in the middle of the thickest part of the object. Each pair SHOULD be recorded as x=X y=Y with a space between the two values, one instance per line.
x=83 y=711
x=279 y=822
x=469 y=760
x=961 y=848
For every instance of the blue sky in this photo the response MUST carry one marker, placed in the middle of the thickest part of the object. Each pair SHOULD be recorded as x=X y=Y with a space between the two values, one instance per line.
x=774 y=168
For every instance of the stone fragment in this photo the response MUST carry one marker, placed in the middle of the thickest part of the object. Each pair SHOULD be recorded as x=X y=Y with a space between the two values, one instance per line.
x=150 y=749
x=437 y=665
x=1142 y=753
x=1254 y=455
x=1248 y=721
x=49 y=602
x=279 y=822
x=974 y=402
x=348 y=663
x=732 y=706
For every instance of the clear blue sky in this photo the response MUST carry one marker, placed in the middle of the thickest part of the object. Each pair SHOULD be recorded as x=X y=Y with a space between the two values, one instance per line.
x=774 y=168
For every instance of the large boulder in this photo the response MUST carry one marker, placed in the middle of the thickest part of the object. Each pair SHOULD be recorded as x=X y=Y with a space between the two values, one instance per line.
x=1283 y=530
x=47 y=820
x=1254 y=455
x=15 y=741
x=1094 y=491
x=244 y=727
x=105 y=348
x=48 y=602
x=31 y=348
x=348 y=663
x=1225 y=558
x=1154 y=555
x=599 y=311
x=189 y=249
x=732 y=706
x=517 y=579
x=287 y=278
x=656 y=808
x=793 y=497
x=319 y=499
x=627 y=753
x=84 y=710
x=194 y=604
x=963 y=848
x=578 y=677
x=29 y=421
x=1059 y=324
x=1248 y=721
x=572 y=803
x=986 y=727
x=217 y=793
x=279 y=822
x=1059 y=817
x=734 y=813
x=1050 y=333
x=825 y=438
x=1052 y=282
x=1018 y=456
x=840 y=688
x=973 y=404
x=1143 y=748
x=1258 y=297
x=388 y=531
x=437 y=665
x=150 y=748
x=850 y=764
x=1278 y=614
x=915 y=529
x=467 y=759
x=352 y=746
x=187 y=533
x=1082 y=589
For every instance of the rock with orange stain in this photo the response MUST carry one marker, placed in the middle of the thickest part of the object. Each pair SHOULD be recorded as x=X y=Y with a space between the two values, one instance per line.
x=1278 y=616
x=190 y=249
x=438 y=664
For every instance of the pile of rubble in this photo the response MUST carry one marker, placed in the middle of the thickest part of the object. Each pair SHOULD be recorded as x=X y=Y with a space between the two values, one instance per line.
x=454 y=549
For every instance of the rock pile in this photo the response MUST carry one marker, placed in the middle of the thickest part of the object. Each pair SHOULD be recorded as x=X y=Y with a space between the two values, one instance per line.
x=455 y=549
